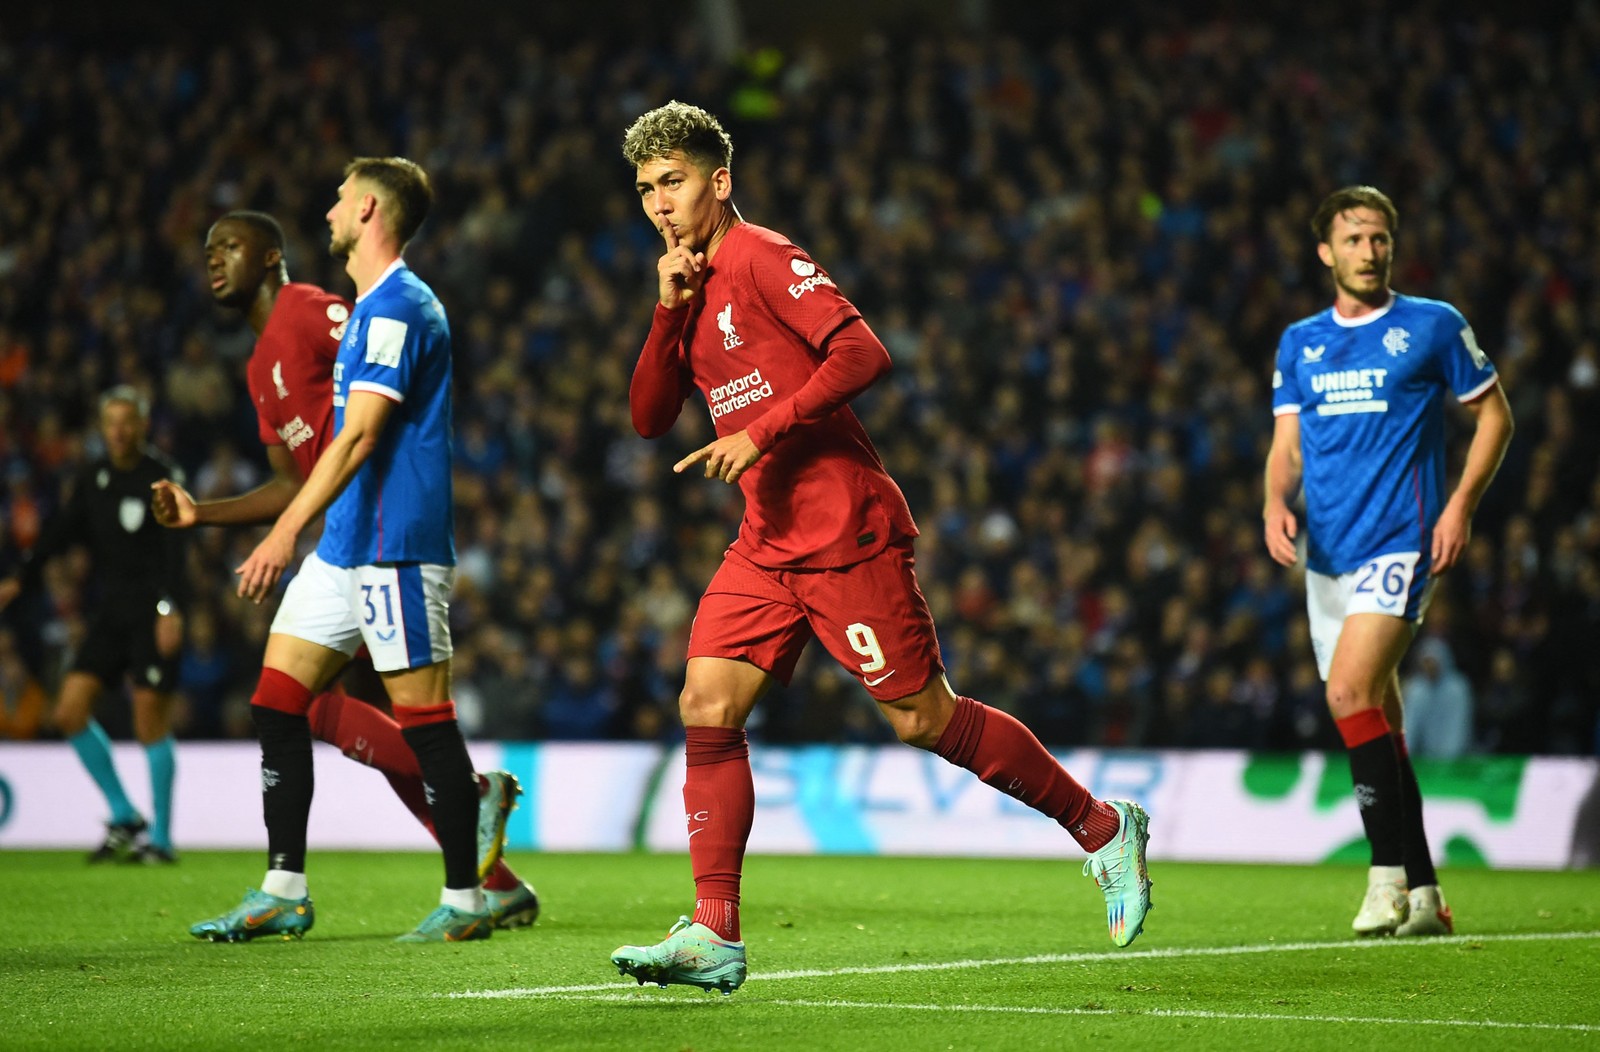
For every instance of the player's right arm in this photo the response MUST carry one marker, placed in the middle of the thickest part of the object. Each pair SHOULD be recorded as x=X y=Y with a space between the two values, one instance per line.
x=661 y=383
x=1284 y=467
x=1282 y=486
x=173 y=506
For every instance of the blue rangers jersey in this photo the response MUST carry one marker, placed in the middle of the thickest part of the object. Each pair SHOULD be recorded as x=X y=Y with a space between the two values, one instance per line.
x=1370 y=394
x=398 y=507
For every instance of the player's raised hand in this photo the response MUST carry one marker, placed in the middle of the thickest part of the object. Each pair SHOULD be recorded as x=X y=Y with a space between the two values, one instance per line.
x=727 y=458
x=1281 y=530
x=681 y=270
x=259 y=574
x=172 y=504
x=1450 y=536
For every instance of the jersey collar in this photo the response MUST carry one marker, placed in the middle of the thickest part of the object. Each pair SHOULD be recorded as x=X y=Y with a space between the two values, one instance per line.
x=1365 y=319
x=398 y=264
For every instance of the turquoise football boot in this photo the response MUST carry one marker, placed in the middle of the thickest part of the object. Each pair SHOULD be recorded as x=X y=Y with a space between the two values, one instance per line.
x=516 y=908
x=1119 y=868
x=691 y=955
x=260 y=914
x=449 y=924
x=494 y=808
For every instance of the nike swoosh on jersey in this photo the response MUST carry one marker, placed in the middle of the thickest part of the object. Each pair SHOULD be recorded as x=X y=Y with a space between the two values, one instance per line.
x=880 y=679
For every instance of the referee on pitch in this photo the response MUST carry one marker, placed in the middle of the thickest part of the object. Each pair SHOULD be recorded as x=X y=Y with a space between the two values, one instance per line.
x=132 y=604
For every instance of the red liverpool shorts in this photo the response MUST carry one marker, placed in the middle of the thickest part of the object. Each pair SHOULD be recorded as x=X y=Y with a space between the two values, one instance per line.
x=871 y=616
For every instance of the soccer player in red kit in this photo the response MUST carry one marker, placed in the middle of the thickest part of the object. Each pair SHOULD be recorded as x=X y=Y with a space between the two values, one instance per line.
x=824 y=549
x=290 y=376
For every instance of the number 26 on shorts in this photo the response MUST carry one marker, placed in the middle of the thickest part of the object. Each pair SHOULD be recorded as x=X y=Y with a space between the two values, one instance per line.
x=1383 y=585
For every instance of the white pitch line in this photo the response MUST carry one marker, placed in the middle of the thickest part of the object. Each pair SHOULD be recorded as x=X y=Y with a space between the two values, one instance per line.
x=1163 y=1013
x=1102 y=957
x=1184 y=1013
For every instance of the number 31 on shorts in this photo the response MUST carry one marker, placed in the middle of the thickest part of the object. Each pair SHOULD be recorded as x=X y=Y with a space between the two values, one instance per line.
x=1383 y=585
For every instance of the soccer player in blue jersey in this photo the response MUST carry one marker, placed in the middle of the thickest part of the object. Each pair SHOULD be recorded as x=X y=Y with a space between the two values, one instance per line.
x=1358 y=396
x=383 y=569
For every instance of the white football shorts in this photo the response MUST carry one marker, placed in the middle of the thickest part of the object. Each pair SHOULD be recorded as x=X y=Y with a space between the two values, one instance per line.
x=400 y=610
x=1388 y=584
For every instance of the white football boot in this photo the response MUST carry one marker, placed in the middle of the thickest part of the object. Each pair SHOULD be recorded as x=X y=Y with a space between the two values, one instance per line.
x=1429 y=913
x=1386 y=906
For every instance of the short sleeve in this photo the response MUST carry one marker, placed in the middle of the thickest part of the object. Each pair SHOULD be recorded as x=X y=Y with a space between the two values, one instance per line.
x=799 y=293
x=325 y=324
x=1285 y=381
x=386 y=361
x=1467 y=370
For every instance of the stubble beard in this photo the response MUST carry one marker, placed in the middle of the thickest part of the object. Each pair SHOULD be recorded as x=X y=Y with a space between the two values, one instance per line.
x=1376 y=296
x=341 y=245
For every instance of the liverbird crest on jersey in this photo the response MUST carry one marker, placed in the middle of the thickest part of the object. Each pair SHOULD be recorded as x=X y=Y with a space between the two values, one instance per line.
x=730 y=339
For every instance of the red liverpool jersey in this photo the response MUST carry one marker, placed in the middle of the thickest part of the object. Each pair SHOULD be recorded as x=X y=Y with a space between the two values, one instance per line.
x=819 y=497
x=290 y=373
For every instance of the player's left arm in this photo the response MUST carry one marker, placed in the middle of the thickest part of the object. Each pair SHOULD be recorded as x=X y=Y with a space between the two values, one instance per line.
x=365 y=414
x=855 y=360
x=1490 y=437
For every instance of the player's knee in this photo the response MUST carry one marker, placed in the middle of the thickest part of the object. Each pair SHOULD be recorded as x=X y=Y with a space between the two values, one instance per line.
x=916 y=725
x=920 y=733
x=1347 y=699
x=703 y=708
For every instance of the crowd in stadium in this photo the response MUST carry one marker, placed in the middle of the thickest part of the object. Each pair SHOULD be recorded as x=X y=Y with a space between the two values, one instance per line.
x=1079 y=250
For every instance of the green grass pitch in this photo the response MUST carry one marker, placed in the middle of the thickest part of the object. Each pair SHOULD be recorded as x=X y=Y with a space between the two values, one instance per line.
x=845 y=953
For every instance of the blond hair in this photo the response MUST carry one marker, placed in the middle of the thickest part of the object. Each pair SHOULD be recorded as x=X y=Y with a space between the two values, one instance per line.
x=678 y=128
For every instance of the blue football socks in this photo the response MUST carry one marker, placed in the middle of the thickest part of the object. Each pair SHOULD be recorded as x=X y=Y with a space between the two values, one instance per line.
x=163 y=766
x=93 y=747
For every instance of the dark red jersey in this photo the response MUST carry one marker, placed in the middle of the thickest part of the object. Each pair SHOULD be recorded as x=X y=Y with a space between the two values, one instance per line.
x=778 y=351
x=290 y=373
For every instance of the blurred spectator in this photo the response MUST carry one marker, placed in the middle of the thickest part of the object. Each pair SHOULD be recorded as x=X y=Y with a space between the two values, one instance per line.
x=1438 y=704
x=22 y=700
x=206 y=674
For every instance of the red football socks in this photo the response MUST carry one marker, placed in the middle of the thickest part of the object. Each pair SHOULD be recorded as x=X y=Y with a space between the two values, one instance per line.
x=368 y=735
x=719 y=802
x=1364 y=726
x=364 y=733
x=1005 y=754
x=281 y=692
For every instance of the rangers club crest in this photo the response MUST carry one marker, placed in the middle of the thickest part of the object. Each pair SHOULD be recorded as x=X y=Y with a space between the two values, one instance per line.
x=1396 y=341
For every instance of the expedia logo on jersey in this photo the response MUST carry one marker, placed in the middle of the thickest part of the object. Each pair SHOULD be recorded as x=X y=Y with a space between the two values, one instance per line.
x=339 y=314
x=810 y=277
x=295 y=432
x=738 y=393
